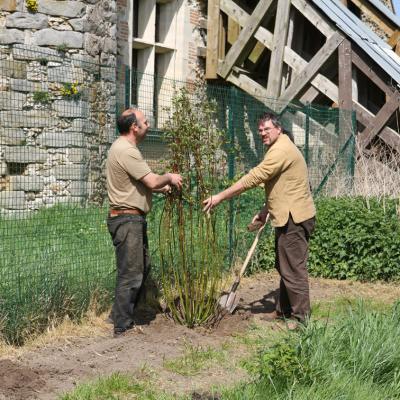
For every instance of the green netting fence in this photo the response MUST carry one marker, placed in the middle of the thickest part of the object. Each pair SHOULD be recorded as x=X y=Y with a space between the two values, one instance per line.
x=57 y=121
x=326 y=136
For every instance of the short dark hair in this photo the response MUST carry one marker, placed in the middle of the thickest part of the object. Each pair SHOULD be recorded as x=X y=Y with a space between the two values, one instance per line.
x=269 y=116
x=125 y=121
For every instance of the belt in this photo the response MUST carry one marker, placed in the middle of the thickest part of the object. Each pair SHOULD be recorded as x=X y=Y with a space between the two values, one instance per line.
x=131 y=211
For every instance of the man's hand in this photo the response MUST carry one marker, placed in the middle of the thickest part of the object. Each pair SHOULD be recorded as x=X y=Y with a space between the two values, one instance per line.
x=176 y=180
x=212 y=202
x=164 y=189
x=260 y=217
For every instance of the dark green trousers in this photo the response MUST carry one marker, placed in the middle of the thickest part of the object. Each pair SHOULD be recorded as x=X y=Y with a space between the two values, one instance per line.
x=129 y=236
x=291 y=255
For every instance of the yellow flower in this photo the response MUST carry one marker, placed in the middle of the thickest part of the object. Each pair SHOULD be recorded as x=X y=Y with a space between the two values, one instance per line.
x=32 y=5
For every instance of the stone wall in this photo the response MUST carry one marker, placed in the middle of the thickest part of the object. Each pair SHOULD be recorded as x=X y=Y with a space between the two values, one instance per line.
x=57 y=101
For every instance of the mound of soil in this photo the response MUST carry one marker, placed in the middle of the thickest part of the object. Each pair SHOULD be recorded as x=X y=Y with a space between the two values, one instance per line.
x=18 y=381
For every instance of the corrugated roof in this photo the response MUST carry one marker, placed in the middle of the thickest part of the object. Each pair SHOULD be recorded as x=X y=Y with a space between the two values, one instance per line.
x=357 y=31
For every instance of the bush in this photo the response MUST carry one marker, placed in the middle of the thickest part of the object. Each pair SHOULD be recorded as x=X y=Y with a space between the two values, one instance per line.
x=354 y=238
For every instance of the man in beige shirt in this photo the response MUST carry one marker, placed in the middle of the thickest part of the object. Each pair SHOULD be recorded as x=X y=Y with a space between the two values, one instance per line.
x=291 y=208
x=130 y=184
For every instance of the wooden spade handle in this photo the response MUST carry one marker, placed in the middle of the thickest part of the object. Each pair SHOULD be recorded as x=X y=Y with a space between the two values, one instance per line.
x=252 y=248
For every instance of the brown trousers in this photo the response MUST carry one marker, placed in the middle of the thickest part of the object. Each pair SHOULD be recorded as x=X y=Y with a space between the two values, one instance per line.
x=291 y=254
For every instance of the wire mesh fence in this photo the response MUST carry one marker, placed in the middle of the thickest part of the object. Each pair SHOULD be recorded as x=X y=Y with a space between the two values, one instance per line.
x=57 y=121
x=326 y=136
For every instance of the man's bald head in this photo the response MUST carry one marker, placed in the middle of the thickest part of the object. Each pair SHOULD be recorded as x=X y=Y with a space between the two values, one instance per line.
x=127 y=119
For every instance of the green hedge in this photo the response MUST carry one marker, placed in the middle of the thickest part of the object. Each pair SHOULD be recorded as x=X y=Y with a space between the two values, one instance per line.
x=354 y=239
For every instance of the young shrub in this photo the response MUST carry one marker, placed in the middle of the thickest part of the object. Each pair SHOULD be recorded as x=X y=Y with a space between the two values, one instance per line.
x=192 y=244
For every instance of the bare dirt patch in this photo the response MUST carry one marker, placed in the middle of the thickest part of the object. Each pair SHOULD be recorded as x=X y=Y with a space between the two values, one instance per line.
x=51 y=367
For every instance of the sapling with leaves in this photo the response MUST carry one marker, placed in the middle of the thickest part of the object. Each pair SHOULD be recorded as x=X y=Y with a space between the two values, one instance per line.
x=193 y=244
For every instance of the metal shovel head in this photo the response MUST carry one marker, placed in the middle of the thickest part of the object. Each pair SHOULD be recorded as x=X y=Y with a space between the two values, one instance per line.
x=228 y=302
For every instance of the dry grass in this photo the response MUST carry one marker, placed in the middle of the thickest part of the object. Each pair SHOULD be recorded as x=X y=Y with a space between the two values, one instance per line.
x=90 y=326
x=377 y=174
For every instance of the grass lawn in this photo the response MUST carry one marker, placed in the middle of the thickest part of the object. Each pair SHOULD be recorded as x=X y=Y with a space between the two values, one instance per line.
x=349 y=350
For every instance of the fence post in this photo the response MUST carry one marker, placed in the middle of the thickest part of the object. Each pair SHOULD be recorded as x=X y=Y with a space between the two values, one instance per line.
x=232 y=105
x=307 y=134
x=352 y=158
x=127 y=87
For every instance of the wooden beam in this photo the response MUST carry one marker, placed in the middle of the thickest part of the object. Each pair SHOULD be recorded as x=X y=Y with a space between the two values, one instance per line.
x=287 y=72
x=233 y=30
x=388 y=135
x=394 y=42
x=345 y=102
x=375 y=125
x=309 y=95
x=278 y=48
x=256 y=52
x=291 y=58
x=394 y=39
x=376 y=16
x=253 y=88
x=221 y=39
x=345 y=75
x=311 y=69
x=314 y=17
x=391 y=138
x=239 y=49
x=366 y=69
x=212 y=39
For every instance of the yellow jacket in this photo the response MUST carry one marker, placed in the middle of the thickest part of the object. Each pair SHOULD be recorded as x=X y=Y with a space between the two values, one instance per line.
x=284 y=174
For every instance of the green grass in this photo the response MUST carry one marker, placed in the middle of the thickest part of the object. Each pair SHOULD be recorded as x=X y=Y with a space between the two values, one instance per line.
x=53 y=263
x=115 y=387
x=337 y=307
x=195 y=360
x=353 y=357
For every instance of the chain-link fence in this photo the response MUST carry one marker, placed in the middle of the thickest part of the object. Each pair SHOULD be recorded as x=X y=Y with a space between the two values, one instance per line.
x=57 y=120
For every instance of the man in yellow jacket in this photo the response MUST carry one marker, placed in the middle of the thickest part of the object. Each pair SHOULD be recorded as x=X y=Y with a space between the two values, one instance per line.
x=290 y=205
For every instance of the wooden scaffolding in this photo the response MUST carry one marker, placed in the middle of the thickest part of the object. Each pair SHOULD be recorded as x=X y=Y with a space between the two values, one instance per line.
x=290 y=50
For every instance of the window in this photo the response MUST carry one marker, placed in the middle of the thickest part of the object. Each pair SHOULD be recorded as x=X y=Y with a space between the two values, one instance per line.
x=158 y=28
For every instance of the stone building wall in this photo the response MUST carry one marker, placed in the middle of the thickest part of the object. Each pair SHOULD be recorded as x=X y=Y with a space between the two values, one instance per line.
x=57 y=100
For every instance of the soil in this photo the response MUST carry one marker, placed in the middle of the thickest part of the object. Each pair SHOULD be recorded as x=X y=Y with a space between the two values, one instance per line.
x=45 y=371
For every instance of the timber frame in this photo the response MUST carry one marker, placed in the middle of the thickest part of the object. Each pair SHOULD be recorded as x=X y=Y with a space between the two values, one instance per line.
x=271 y=33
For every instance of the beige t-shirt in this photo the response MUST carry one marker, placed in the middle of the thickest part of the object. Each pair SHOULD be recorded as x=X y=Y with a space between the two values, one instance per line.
x=125 y=167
